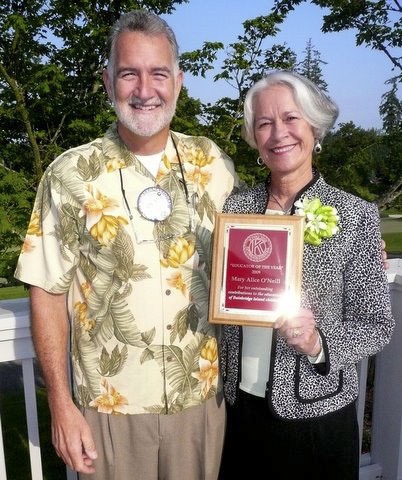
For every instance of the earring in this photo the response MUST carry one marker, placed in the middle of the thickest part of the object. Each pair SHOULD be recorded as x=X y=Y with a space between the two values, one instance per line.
x=260 y=161
x=317 y=147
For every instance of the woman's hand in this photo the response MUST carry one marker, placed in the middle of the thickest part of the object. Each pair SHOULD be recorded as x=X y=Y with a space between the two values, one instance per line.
x=384 y=257
x=300 y=332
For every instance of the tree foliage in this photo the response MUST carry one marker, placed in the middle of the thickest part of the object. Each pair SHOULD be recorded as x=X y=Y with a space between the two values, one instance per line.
x=378 y=24
x=363 y=162
x=52 y=54
x=245 y=61
x=391 y=109
x=310 y=66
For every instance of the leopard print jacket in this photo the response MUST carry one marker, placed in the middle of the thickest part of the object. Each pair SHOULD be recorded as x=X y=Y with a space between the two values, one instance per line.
x=345 y=286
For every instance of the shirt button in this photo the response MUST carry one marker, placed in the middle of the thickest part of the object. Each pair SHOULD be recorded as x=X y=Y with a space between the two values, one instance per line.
x=169 y=327
x=168 y=292
x=168 y=358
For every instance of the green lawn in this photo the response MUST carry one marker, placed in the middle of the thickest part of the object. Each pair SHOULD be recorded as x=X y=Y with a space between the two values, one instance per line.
x=393 y=243
x=391 y=229
x=9 y=293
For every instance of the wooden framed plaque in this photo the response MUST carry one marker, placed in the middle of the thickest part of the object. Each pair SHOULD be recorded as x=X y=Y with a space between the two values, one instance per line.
x=256 y=268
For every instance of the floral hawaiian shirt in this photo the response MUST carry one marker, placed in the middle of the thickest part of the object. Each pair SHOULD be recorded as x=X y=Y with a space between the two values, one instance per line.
x=137 y=289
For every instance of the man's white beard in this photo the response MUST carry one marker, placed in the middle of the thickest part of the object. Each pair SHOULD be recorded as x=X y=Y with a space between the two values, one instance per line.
x=145 y=125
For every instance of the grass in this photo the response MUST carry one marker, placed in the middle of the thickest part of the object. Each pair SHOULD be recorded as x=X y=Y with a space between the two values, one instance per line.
x=391 y=230
x=10 y=293
x=393 y=243
x=15 y=437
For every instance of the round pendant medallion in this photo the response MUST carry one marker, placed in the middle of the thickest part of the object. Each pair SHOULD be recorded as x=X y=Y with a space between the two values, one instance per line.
x=154 y=204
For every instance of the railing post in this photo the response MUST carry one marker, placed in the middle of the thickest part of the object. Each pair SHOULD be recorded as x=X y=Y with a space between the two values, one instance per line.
x=32 y=418
x=16 y=344
x=386 y=444
x=2 y=458
x=361 y=401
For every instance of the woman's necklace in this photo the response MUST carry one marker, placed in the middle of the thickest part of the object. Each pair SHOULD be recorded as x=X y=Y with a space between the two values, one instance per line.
x=286 y=211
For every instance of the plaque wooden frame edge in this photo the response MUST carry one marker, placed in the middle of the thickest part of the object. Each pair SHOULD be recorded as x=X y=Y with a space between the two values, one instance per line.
x=218 y=255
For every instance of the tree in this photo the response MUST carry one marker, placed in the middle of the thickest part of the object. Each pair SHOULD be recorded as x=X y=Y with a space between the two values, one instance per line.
x=51 y=59
x=391 y=109
x=378 y=23
x=339 y=148
x=22 y=46
x=310 y=66
x=364 y=162
x=391 y=112
x=188 y=110
x=246 y=61
x=16 y=199
x=52 y=54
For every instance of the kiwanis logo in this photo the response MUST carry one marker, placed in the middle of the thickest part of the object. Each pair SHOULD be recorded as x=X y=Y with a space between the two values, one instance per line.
x=257 y=247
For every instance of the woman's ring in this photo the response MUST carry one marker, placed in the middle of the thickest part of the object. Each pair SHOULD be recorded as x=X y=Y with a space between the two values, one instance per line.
x=296 y=332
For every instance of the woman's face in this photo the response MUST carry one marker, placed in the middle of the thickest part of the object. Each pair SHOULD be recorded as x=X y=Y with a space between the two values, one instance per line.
x=284 y=138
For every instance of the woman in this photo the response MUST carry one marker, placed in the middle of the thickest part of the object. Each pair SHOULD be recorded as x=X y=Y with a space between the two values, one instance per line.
x=291 y=390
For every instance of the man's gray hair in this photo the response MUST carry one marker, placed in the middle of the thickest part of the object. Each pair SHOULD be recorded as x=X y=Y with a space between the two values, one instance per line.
x=145 y=22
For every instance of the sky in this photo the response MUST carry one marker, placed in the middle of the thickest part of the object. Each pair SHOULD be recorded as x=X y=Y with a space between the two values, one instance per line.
x=355 y=75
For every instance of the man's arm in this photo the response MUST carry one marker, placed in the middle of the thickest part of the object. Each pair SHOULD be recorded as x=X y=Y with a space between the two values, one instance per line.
x=71 y=435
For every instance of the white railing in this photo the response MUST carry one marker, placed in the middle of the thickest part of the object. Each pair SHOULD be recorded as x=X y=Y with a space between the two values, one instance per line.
x=383 y=461
x=385 y=456
x=16 y=346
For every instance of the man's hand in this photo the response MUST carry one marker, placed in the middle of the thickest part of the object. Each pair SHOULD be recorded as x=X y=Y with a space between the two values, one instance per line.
x=72 y=438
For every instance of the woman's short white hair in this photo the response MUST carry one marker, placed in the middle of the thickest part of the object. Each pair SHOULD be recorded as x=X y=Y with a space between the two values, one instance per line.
x=315 y=106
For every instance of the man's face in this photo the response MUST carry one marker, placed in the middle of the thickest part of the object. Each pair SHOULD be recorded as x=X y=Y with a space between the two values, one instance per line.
x=145 y=84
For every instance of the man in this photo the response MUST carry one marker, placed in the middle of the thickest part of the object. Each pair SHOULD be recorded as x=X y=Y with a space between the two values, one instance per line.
x=117 y=254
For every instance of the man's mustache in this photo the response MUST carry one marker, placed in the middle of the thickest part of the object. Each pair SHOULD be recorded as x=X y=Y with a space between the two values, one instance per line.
x=137 y=102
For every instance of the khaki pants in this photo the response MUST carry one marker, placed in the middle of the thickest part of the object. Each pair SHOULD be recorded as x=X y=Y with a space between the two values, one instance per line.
x=183 y=446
